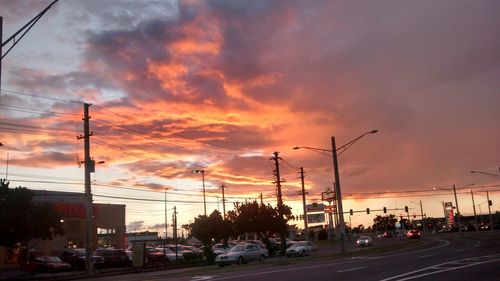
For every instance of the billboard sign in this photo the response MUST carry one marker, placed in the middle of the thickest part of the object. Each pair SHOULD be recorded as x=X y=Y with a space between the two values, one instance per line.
x=316 y=218
x=315 y=207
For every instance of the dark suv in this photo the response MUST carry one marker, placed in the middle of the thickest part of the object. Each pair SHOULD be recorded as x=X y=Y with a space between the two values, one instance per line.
x=113 y=257
x=76 y=257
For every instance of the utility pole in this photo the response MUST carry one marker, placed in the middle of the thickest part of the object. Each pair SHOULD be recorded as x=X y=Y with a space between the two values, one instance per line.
x=303 y=193
x=280 y=199
x=422 y=215
x=89 y=168
x=338 y=194
x=261 y=200
x=474 y=209
x=222 y=187
x=458 y=212
x=174 y=225
x=166 y=222
x=22 y=31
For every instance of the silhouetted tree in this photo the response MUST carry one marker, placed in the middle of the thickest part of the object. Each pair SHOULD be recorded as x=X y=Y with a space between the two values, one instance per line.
x=22 y=220
x=264 y=220
x=382 y=223
x=210 y=230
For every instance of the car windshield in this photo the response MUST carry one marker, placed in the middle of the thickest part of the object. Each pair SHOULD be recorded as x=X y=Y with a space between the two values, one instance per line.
x=239 y=248
x=53 y=259
x=299 y=244
x=80 y=252
x=363 y=238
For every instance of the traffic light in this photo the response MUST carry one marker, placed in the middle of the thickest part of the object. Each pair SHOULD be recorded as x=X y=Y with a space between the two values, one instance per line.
x=351 y=212
x=406 y=209
x=368 y=211
x=490 y=203
x=385 y=210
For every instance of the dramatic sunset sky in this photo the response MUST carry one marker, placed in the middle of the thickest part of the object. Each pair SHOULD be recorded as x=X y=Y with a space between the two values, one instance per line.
x=220 y=85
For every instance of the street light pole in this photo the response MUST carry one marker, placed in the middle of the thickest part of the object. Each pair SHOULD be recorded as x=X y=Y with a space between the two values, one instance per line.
x=423 y=219
x=202 y=172
x=338 y=195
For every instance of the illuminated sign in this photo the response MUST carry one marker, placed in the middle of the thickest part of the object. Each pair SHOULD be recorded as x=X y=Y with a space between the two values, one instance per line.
x=315 y=207
x=73 y=210
x=316 y=218
x=449 y=217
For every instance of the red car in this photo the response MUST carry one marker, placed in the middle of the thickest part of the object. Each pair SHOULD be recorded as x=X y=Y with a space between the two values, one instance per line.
x=413 y=234
x=48 y=264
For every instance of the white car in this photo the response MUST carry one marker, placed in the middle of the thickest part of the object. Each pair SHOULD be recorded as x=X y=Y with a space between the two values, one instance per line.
x=219 y=248
x=301 y=248
x=364 y=241
x=241 y=254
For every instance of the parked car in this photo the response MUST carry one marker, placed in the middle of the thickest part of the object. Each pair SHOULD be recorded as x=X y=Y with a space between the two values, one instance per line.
x=113 y=257
x=241 y=254
x=170 y=255
x=364 y=241
x=153 y=256
x=413 y=234
x=258 y=243
x=220 y=249
x=193 y=249
x=185 y=252
x=301 y=248
x=49 y=264
x=76 y=257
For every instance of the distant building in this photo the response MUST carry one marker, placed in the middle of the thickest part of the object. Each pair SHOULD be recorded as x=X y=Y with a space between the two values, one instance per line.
x=108 y=218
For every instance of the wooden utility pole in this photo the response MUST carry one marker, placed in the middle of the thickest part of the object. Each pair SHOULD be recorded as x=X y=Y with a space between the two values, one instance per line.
x=174 y=225
x=303 y=193
x=222 y=187
x=89 y=168
x=280 y=198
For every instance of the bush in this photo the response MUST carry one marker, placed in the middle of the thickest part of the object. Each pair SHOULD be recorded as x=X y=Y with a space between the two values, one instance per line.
x=322 y=234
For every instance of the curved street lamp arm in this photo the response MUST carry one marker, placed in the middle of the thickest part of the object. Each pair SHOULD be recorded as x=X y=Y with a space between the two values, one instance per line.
x=347 y=145
x=486 y=174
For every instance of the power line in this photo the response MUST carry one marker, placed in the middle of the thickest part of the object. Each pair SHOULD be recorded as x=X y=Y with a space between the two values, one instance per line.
x=41 y=97
x=177 y=134
x=37 y=111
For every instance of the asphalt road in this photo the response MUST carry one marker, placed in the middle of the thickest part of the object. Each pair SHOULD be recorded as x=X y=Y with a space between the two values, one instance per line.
x=470 y=256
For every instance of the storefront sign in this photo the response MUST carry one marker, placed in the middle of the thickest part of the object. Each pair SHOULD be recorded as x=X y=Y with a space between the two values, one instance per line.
x=73 y=210
x=316 y=218
x=315 y=207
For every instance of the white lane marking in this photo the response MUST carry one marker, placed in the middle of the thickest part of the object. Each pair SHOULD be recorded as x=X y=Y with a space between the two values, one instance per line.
x=425 y=256
x=437 y=269
x=201 y=278
x=352 y=269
